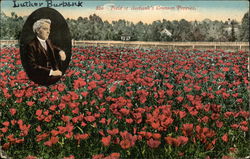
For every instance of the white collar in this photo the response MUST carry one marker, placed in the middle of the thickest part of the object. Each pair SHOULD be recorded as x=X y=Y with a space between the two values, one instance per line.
x=41 y=40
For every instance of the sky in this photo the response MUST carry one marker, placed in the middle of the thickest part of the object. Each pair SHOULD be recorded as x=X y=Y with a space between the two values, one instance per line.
x=135 y=11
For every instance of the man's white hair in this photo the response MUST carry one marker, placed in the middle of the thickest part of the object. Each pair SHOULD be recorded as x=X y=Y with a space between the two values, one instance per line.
x=37 y=25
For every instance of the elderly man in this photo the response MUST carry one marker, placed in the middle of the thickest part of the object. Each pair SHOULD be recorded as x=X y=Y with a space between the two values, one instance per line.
x=43 y=59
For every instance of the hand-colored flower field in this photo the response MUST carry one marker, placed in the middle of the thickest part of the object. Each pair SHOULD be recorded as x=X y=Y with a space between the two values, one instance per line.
x=128 y=103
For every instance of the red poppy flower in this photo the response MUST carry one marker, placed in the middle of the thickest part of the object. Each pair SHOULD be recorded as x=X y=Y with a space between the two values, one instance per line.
x=225 y=138
x=84 y=94
x=225 y=69
x=113 y=131
x=179 y=98
x=244 y=123
x=106 y=140
x=69 y=135
x=97 y=76
x=125 y=144
x=38 y=129
x=112 y=89
x=48 y=118
x=161 y=93
x=124 y=111
x=61 y=106
x=155 y=125
x=129 y=121
x=167 y=122
x=182 y=114
x=70 y=157
x=170 y=86
x=172 y=141
x=244 y=128
x=153 y=143
x=156 y=136
x=53 y=107
x=205 y=119
x=6 y=123
x=81 y=136
x=83 y=124
x=61 y=87
x=54 y=139
x=12 y=111
x=30 y=103
x=18 y=93
x=48 y=143
x=219 y=124
x=215 y=116
x=228 y=114
x=99 y=156
x=6 y=146
x=92 y=85
x=13 y=122
x=79 y=83
x=65 y=118
x=187 y=89
x=170 y=92
x=187 y=129
x=182 y=140
x=90 y=118
x=227 y=157
x=113 y=156
x=41 y=137
x=31 y=157
x=190 y=97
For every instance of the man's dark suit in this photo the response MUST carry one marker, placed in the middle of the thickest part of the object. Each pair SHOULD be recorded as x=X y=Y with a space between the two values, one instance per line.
x=39 y=62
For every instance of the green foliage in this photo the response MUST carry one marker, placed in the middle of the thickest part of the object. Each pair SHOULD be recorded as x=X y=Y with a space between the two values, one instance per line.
x=244 y=30
x=94 y=28
x=10 y=26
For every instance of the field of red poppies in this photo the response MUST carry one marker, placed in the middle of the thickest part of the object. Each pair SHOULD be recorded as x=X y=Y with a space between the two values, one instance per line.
x=128 y=103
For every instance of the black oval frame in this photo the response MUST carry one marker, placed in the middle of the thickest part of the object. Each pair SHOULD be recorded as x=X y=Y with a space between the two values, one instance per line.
x=59 y=36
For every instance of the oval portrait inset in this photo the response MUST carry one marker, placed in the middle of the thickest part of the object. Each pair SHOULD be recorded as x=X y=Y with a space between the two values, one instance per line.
x=45 y=46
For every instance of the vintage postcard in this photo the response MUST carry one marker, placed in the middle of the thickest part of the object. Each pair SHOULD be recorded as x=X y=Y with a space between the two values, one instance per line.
x=124 y=79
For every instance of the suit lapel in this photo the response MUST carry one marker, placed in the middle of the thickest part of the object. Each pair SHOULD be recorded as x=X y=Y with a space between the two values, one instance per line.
x=40 y=48
x=49 y=47
x=52 y=54
x=49 y=54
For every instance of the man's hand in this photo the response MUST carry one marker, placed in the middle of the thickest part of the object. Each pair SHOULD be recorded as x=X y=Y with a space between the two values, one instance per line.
x=62 y=55
x=56 y=73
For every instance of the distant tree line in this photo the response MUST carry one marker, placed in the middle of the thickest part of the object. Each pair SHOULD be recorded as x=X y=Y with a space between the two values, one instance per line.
x=94 y=28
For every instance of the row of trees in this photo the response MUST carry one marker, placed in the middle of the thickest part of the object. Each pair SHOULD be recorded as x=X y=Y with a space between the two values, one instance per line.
x=94 y=28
